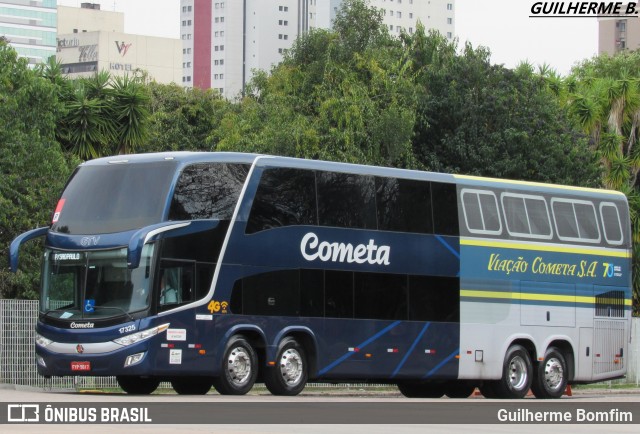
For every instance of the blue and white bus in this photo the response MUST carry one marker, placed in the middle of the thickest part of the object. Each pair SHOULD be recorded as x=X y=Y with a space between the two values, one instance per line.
x=223 y=269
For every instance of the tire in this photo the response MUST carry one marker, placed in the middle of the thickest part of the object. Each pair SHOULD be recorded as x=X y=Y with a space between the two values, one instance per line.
x=134 y=385
x=239 y=368
x=517 y=374
x=487 y=389
x=421 y=390
x=191 y=385
x=289 y=376
x=550 y=379
x=459 y=389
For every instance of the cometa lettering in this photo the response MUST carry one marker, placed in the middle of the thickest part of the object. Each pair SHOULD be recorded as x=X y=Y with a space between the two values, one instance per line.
x=82 y=325
x=312 y=249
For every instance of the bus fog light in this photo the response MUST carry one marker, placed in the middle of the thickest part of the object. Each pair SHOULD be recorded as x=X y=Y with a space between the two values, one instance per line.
x=134 y=359
x=41 y=362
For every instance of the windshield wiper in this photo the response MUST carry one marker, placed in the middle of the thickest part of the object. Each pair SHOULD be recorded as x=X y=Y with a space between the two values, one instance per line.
x=116 y=308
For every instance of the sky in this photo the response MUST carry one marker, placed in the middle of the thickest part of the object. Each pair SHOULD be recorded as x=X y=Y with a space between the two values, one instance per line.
x=503 y=26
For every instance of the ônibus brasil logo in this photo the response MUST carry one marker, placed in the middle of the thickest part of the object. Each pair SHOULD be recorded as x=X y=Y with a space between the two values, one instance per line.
x=312 y=248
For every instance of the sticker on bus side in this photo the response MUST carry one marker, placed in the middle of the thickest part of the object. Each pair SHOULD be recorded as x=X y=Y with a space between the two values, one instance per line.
x=56 y=214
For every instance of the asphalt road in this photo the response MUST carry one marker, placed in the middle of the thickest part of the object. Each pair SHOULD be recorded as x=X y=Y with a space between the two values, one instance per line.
x=335 y=412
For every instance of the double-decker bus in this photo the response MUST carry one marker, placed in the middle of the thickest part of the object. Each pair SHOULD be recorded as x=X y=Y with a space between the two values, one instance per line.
x=223 y=269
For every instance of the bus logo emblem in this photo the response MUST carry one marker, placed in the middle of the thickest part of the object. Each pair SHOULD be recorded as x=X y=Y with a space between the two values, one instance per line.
x=312 y=248
x=79 y=349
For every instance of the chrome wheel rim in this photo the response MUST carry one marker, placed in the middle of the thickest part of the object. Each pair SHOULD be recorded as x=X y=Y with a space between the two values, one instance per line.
x=291 y=367
x=239 y=366
x=553 y=374
x=518 y=374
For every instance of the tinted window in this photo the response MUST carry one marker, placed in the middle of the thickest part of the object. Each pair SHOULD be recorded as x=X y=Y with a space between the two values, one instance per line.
x=575 y=220
x=284 y=197
x=526 y=216
x=338 y=294
x=275 y=293
x=114 y=198
x=587 y=221
x=346 y=200
x=404 y=205
x=611 y=222
x=445 y=209
x=481 y=212
x=380 y=296
x=433 y=298
x=565 y=219
x=312 y=293
x=515 y=215
x=539 y=217
x=208 y=191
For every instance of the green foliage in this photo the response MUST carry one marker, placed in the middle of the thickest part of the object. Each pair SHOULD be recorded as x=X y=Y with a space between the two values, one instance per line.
x=483 y=119
x=181 y=118
x=33 y=168
x=603 y=98
x=342 y=95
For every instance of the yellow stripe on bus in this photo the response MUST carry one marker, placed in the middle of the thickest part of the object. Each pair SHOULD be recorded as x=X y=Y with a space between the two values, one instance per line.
x=545 y=248
x=539 y=184
x=531 y=296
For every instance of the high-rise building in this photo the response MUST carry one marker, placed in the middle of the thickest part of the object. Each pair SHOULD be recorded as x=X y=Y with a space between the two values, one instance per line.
x=223 y=41
x=617 y=34
x=30 y=27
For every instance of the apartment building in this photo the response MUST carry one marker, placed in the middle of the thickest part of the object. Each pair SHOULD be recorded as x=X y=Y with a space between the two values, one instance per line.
x=223 y=41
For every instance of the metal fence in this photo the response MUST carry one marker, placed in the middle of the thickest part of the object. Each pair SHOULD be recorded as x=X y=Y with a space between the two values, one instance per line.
x=18 y=365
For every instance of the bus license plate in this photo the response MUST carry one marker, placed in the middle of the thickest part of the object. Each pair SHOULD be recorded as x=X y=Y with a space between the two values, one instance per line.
x=80 y=366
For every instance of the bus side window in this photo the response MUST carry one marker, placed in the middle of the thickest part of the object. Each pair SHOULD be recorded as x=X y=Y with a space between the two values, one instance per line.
x=611 y=223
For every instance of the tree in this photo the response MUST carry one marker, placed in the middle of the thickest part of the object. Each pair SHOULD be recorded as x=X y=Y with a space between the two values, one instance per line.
x=102 y=115
x=182 y=118
x=482 y=119
x=603 y=96
x=33 y=167
x=338 y=95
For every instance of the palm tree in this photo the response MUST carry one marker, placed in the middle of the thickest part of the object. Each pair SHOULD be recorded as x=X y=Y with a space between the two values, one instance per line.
x=129 y=108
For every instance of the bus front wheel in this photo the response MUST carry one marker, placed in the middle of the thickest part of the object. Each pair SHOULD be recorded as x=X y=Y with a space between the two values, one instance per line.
x=134 y=385
x=289 y=375
x=550 y=379
x=517 y=373
x=239 y=368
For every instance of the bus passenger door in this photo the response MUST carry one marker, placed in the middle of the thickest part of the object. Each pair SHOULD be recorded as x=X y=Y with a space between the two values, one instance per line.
x=176 y=287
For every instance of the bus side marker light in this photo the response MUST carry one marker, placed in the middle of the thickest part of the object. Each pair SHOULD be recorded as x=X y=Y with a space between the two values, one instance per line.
x=368 y=355
x=429 y=351
x=202 y=352
x=354 y=349
x=392 y=350
x=271 y=363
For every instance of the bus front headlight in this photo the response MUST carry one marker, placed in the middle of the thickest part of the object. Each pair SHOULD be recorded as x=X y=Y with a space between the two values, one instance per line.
x=140 y=336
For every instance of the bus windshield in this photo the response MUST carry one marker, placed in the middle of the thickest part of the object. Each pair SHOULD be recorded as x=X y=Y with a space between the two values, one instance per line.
x=94 y=284
x=113 y=198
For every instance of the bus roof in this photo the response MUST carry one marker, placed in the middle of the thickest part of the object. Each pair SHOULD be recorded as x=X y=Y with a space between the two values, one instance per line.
x=261 y=160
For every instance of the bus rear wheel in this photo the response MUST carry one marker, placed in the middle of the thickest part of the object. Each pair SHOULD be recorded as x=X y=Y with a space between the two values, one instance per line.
x=550 y=379
x=459 y=389
x=239 y=368
x=191 y=385
x=517 y=373
x=289 y=375
x=422 y=390
x=135 y=385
